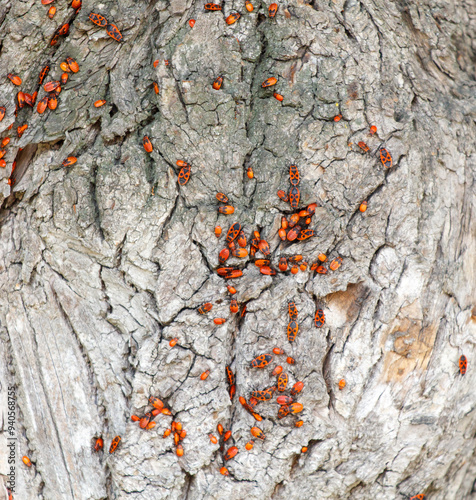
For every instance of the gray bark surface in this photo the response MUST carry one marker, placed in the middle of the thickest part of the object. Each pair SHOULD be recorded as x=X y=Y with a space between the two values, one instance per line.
x=103 y=262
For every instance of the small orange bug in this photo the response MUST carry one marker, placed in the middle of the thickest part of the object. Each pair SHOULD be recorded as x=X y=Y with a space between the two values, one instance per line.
x=212 y=6
x=26 y=461
x=50 y=86
x=257 y=433
x=249 y=445
x=52 y=12
x=220 y=429
x=150 y=426
x=114 y=444
x=363 y=206
x=3 y=163
x=21 y=129
x=232 y=18
x=43 y=74
x=52 y=100
x=65 y=67
x=283 y=411
x=338 y=118
x=282 y=234
x=241 y=240
x=135 y=418
x=98 y=20
x=179 y=450
x=182 y=163
x=173 y=342
x=69 y=161
x=64 y=78
x=283 y=264
x=290 y=361
x=272 y=9
x=204 y=308
x=147 y=144
x=304 y=449
x=283 y=196
x=5 y=141
x=305 y=234
x=303 y=266
x=156 y=402
x=293 y=233
x=218 y=83
x=373 y=129
x=234 y=306
x=191 y=23
x=222 y=197
x=114 y=32
x=227 y=436
x=230 y=375
x=99 y=444
x=217 y=231
x=277 y=370
x=100 y=103
x=319 y=318
x=261 y=361
x=386 y=158
x=63 y=30
x=322 y=257
x=250 y=173
x=284 y=222
x=226 y=210
x=219 y=321
x=420 y=496
x=264 y=247
x=299 y=423
x=311 y=209
x=76 y=4
x=335 y=264
x=223 y=255
x=284 y=400
x=296 y=407
x=321 y=270
x=21 y=99
x=2 y=153
x=176 y=438
x=240 y=253
x=268 y=271
x=294 y=175
x=293 y=220
x=231 y=289
x=2 y=112
x=155 y=412
x=293 y=329
x=145 y=420
x=213 y=438
x=165 y=411
x=204 y=375
x=233 y=232
x=16 y=80
x=269 y=82
x=278 y=351
x=277 y=96
x=265 y=395
x=167 y=433
x=73 y=65
x=249 y=6
x=463 y=364
x=156 y=88
x=294 y=196
x=364 y=146
x=224 y=471
x=294 y=269
x=282 y=382
x=230 y=453
x=341 y=384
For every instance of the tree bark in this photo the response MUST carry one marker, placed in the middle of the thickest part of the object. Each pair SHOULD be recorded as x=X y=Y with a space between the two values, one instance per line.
x=104 y=262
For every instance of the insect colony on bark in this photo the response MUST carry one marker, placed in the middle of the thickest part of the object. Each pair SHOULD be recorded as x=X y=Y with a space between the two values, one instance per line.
x=293 y=228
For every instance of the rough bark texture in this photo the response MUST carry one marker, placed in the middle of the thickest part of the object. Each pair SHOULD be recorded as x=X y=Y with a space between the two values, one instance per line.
x=102 y=263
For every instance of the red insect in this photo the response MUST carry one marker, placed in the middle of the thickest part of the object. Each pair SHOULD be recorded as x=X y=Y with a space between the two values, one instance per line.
x=277 y=96
x=184 y=176
x=294 y=196
x=230 y=375
x=224 y=471
x=64 y=79
x=261 y=361
x=277 y=371
x=463 y=364
x=98 y=20
x=305 y=234
x=241 y=240
x=296 y=407
x=218 y=83
x=16 y=80
x=293 y=220
x=264 y=247
x=217 y=231
x=43 y=73
x=191 y=23
x=204 y=308
x=335 y=264
x=26 y=461
x=231 y=452
x=147 y=144
x=284 y=400
x=373 y=129
x=53 y=100
x=232 y=18
x=42 y=105
x=249 y=445
x=421 y=496
x=63 y=30
x=268 y=271
x=21 y=99
x=234 y=306
x=50 y=86
x=290 y=361
x=99 y=444
x=299 y=423
x=21 y=129
x=250 y=173
x=338 y=118
x=144 y=421
x=283 y=264
x=114 y=444
x=283 y=196
x=283 y=412
x=212 y=6
x=265 y=395
x=321 y=270
x=293 y=329
x=282 y=382
x=2 y=112
x=269 y=82
x=293 y=233
x=223 y=255
x=233 y=232
x=71 y=160
x=113 y=32
x=341 y=384
x=272 y=9
x=73 y=65
x=257 y=433
x=227 y=436
x=364 y=146
x=226 y=210
x=363 y=206
x=204 y=375
x=297 y=387
x=156 y=403
x=76 y=4
x=385 y=158
x=222 y=197
x=294 y=175
x=219 y=321
x=278 y=351
x=319 y=318
x=282 y=234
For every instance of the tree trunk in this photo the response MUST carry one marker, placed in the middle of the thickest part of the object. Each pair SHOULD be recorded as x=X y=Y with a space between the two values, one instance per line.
x=103 y=262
